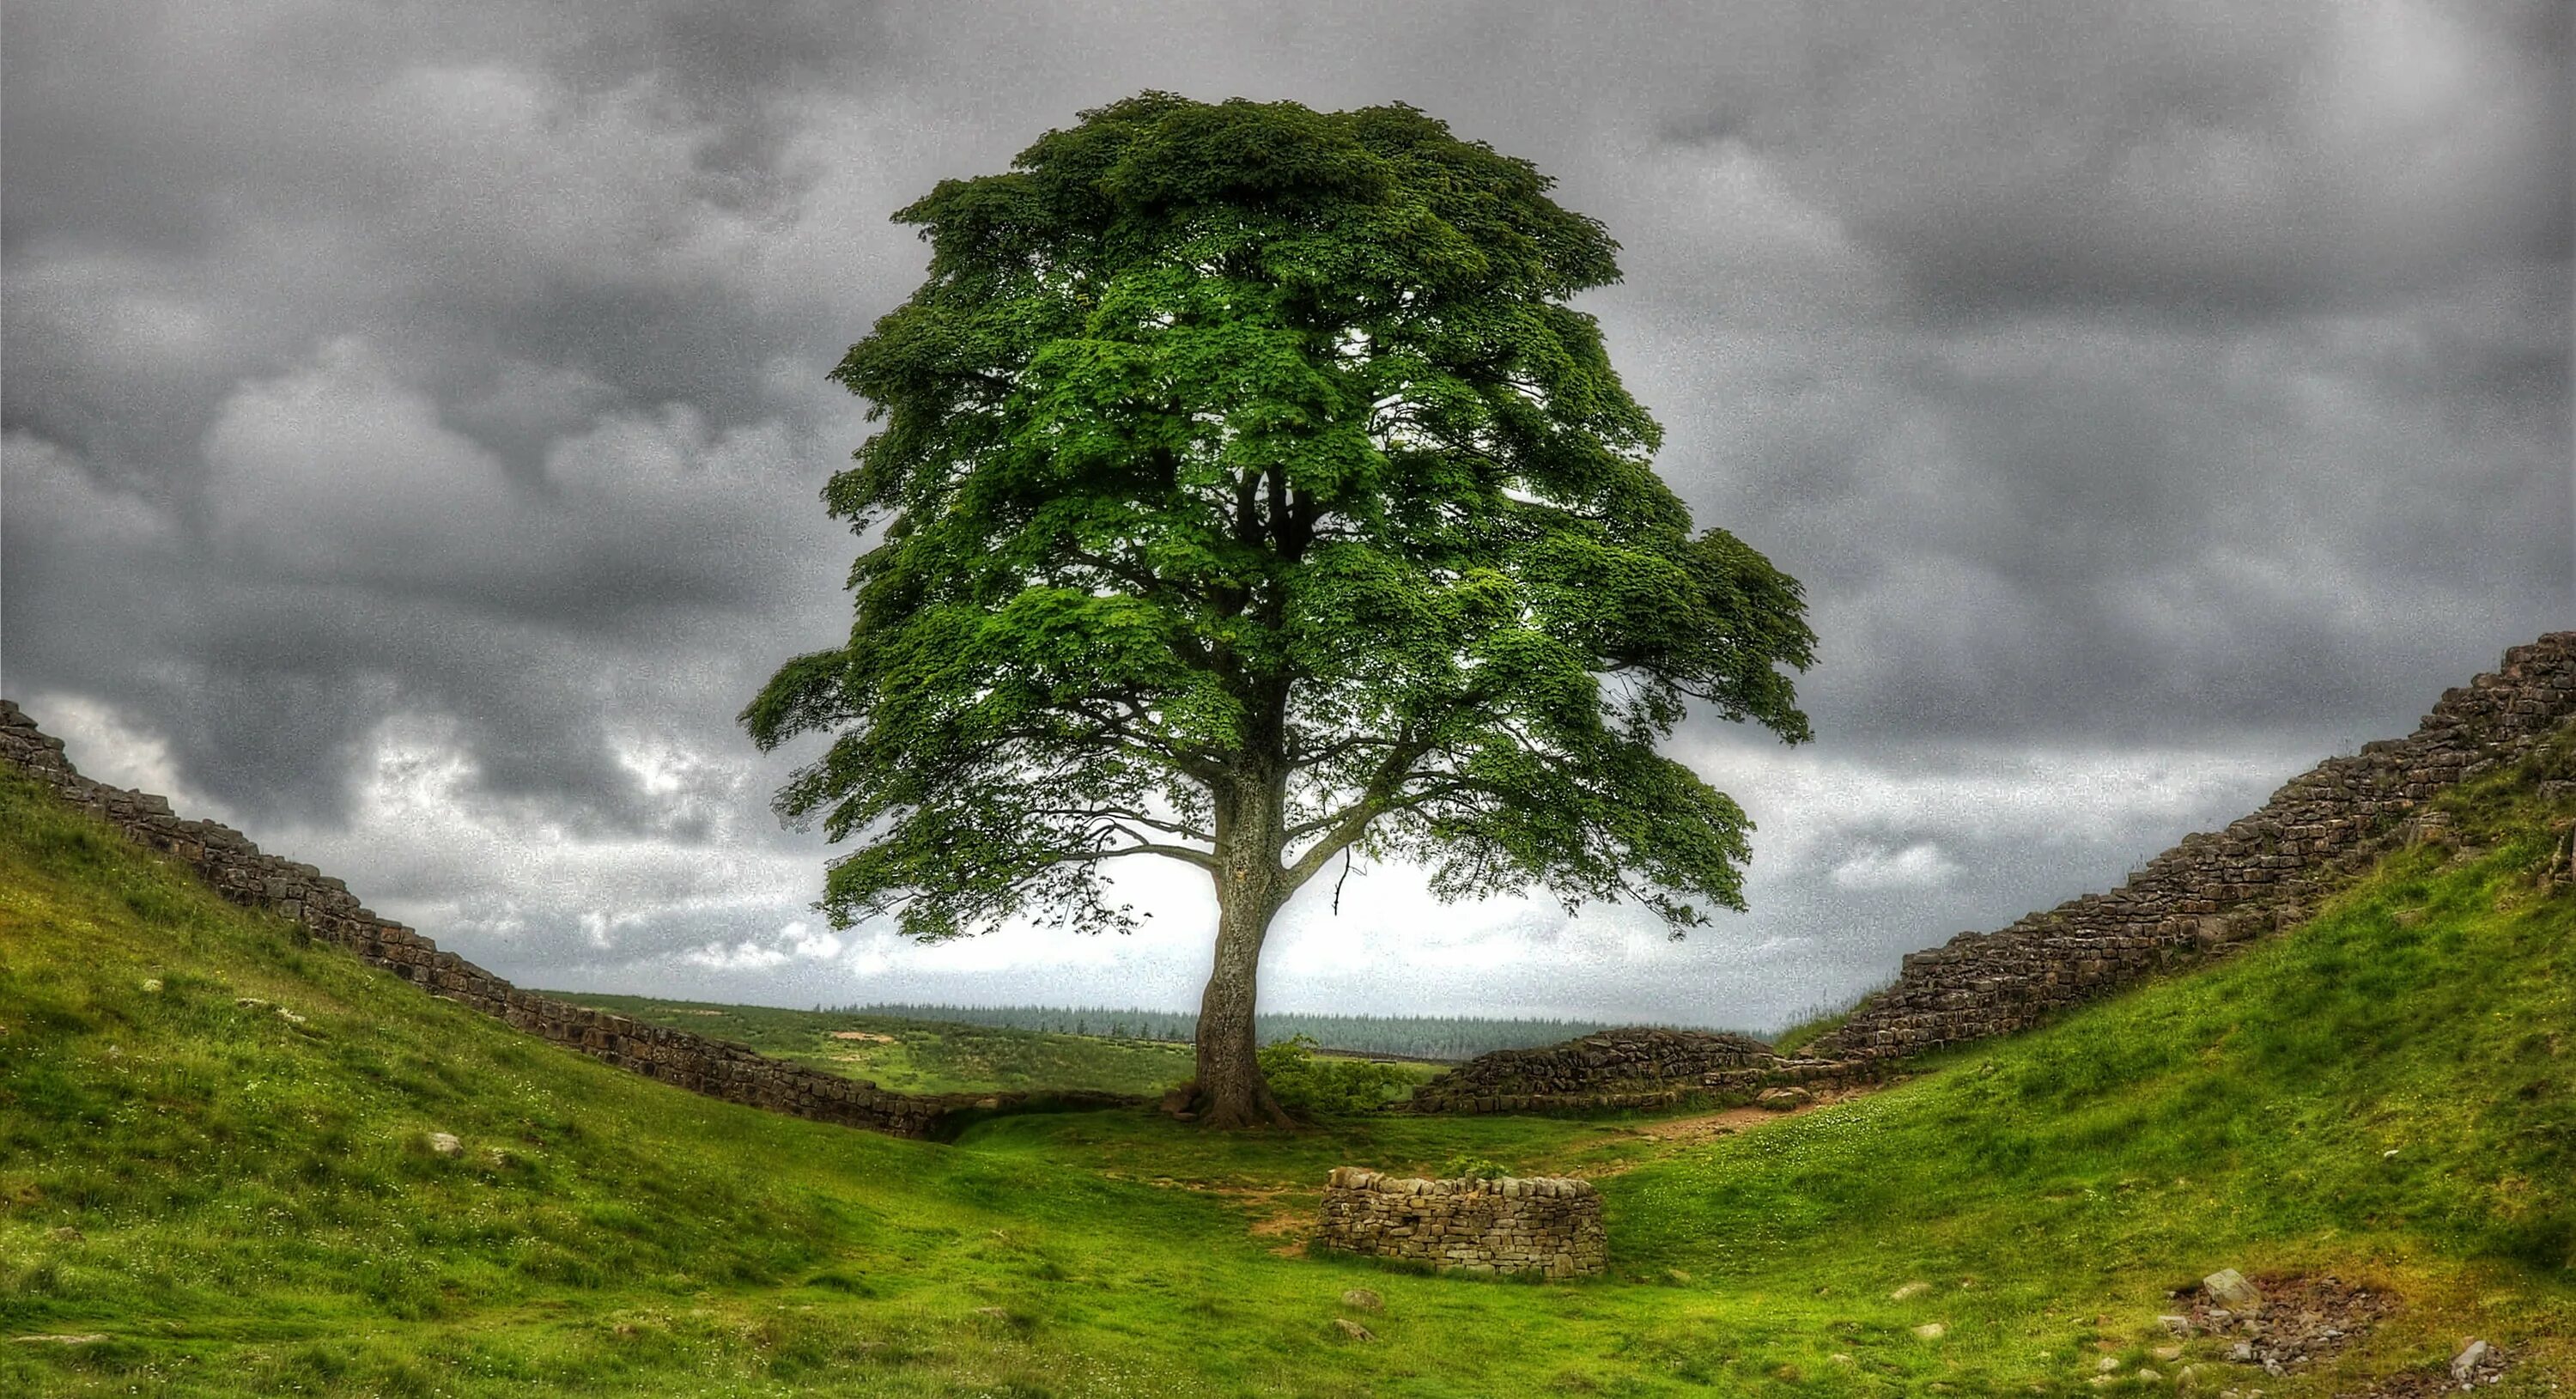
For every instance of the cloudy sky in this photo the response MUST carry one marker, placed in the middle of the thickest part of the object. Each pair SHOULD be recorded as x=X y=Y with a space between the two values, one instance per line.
x=414 y=415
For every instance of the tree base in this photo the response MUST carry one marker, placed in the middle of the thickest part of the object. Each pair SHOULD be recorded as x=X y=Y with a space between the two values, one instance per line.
x=1258 y=1110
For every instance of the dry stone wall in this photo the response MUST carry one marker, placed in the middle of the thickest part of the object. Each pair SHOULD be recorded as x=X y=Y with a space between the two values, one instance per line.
x=324 y=909
x=2214 y=891
x=1620 y=1069
x=1549 y=1225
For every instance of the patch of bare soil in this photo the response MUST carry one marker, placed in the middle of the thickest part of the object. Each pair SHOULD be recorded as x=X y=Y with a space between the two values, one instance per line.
x=1707 y=1126
x=1289 y=1228
x=2303 y=1320
x=871 y=1036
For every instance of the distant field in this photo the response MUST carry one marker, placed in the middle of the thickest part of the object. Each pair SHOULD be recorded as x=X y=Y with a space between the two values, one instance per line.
x=1442 y=1038
x=919 y=1056
x=912 y=1056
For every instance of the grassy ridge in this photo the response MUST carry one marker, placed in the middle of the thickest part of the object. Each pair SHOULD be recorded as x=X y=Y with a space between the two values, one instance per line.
x=241 y=1203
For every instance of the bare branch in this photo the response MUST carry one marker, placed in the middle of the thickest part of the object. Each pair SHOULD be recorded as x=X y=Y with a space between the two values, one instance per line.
x=1183 y=853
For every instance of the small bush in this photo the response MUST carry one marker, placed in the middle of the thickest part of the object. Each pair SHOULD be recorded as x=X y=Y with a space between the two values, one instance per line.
x=1307 y=1085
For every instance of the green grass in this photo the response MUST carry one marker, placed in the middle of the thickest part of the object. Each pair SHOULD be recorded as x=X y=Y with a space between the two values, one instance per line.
x=243 y=1205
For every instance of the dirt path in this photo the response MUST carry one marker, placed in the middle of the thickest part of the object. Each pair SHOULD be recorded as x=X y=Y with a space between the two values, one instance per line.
x=1675 y=1132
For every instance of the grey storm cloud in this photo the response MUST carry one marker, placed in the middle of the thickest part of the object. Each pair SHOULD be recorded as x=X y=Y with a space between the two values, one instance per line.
x=414 y=412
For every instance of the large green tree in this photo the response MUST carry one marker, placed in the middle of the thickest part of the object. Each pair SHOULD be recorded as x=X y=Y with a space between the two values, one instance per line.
x=1250 y=494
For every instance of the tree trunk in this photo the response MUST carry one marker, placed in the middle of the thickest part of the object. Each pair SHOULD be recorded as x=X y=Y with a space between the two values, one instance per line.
x=1250 y=888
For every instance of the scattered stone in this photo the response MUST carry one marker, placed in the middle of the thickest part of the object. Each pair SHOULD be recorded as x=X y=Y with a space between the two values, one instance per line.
x=1360 y=1299
x=2176 y=1325
x=2107 y=1364
x=2302 y=1320
x=2147 y=1376
x=65 y=1234
x=445 y=1143
x=2167 y=1353
x=1783 y=1099
x=152 y=986
x=1931 y=1331
x=1909 y=1292
x=2477 y=1363
x=1353 y=1329
x=250 y=1003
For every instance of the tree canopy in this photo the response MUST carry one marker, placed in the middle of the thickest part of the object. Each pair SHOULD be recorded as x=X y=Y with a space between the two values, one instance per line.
x=1249 y=491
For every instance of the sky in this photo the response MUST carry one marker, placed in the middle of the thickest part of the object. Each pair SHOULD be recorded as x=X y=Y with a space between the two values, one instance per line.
x=414 y=415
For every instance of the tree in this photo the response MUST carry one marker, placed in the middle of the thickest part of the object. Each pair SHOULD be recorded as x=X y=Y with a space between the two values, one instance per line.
x=1251 y=496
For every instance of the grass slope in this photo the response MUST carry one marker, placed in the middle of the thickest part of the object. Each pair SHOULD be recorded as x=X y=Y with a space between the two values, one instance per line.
x=240 y=1203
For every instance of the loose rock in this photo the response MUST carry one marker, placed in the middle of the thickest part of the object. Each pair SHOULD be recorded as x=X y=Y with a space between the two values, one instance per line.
x=2232 y=1291
x=1353 y=1329
x=1363 y=1300
x=445 y=1143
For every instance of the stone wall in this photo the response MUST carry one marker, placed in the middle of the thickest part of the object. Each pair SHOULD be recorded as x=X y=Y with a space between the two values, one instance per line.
x=324 y=909
x=2214 y=891
x=1547 y=1225
x=1620 y=1069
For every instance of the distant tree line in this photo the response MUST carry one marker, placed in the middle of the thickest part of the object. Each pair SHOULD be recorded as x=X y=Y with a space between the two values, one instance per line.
x=1406 y=1036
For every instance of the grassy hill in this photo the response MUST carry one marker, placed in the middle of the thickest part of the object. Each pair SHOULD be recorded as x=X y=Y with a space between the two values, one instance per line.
x=218 y=1176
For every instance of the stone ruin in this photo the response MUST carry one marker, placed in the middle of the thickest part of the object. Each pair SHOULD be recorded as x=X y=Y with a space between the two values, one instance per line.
x=323 y=909
x=1550 y=1225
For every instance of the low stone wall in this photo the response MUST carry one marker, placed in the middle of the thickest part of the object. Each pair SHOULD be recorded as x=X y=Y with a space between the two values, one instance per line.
x=1626 y=1069
x=1548 y=1225
x=2215 y=891
x=326 y=911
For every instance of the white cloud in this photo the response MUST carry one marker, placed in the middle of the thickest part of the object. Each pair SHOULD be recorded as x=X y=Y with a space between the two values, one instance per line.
x=1875 y=867
x=337 y=468
x=106 y=745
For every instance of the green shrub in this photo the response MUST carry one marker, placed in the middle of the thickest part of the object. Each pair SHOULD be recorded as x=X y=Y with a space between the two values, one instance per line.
x=1308 y=1085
